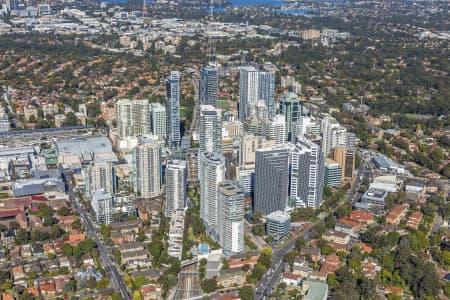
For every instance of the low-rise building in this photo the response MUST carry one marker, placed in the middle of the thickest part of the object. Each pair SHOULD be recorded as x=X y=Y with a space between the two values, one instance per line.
x=397 y=214
x=414 y=220
x=278 y=225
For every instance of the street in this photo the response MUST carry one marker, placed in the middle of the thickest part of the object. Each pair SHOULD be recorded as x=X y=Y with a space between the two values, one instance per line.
x=109 y=265
x=273 y=275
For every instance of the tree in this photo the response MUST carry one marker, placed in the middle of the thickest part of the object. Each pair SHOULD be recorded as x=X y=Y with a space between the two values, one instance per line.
x=71 y=119
x=265 y=258
x=140 y=281
x=137 y=295
x=63 y=211
x=67 y=249
x=209 y=285
x=246 y=292
x=326 y=250
x=300 y=243
x=257 y=217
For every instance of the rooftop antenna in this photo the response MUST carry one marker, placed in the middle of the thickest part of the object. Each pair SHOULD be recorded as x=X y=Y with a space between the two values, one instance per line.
x=212 y=59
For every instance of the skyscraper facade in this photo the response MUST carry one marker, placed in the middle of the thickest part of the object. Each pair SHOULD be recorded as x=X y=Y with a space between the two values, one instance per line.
x=146 y=169
x=103 y=207
x=330 y=129
x=292 y=108
x=266 y=91
x=346 y=159
x=158 y=120
x=210 y=129
x=271 y=179
x=176 y=186
x=133 y=118
x=208 y=86
x=248 y=90
x=333 y=173
x=99 y=175
x=276 y=129
x=173 y=108
x=231 y=217
x=211 y=172
x=307 y=163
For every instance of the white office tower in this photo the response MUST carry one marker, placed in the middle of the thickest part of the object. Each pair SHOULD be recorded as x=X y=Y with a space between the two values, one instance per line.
x=146 y=169
x=271 y=179
x=176 y=186
x=231 y=217
x=210 y=129
x=173 y=92
x=330 y=128
x=300 y=128
x=276 y=129
x=158 y=120
x=248 y=91
x=211 y=172
x=133 y=118
x=99 y=175
x=307 y=175
x=208 y=86
x=103 y=207
x=266 y=91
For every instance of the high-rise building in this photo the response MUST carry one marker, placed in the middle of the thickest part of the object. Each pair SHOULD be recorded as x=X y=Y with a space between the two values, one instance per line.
x=307 y=165
x=292 y=108
x=12 y=5
x=208 y=86
x=248 y=90
x=266 y=91
x=146 y=169
x=278 y=225
x=133 y=118
x=176 y=186
x=211 y=172
x=231 y=217
x=271 y=179
x=300 y=128
x=333 y=172
x=330 y=128
x=158 y=120
x=103 y=207
x=276 y=129
x=173 y=108
x=249 y=143
x=210 y=129
x=99 y=175
x=346 y=159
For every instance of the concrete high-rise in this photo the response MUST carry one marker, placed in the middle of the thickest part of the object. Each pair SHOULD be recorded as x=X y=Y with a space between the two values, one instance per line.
x=103 y=207
x=231 y=217
x=133 y=118
x=210 y=129
x=271 y=179
x=158 y=120
x=208 y=86
x=330 y=128
x=307 y=163
x=173 y=93
x=146 y=169
x=276 y=129
x=248 y=91
x=346 y=159
x=99 y=175
x=332 y=173
x=266 y=91
x=292 y=108
x=211 y=172
x=249 y=143
x=176 y=186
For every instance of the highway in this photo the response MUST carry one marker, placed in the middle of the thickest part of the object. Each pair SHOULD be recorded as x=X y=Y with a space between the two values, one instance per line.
x=274 y=273
x=109 y=265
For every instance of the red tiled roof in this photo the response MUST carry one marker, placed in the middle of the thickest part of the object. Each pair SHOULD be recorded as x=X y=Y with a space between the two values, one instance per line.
x=9 y=213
